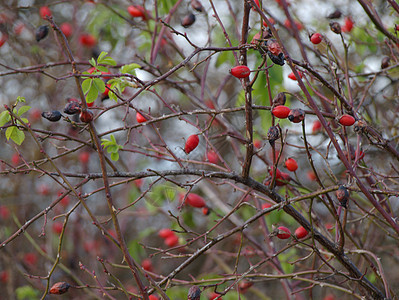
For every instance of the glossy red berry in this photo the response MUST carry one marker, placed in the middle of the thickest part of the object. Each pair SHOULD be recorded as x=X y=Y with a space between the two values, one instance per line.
x=44 y=12
x=165 y=233
x=87 y=40
x=316 y=38
x=293 y=77
x=212 y=157
x=283 y=233
x=66 y=29
x=300 y=232
x=86 y=116
x=172 y=241
x=206 y=210
x=140 y=118
x=136 y=11
x=214 y=296
x=59 y=288
x=281 y=111
x=146 y=264
x=240 y=71
x=195 y=200
x=291 y=164
x=191 y=143
x=316 y=126
x=347 y=120
x=348 y=25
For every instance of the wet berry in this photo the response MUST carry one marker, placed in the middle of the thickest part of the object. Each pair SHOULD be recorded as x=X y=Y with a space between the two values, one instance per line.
x=291 y=164
x=191 y=143
x=240 y=71
x=140 y=118
x=316 y=38
x=281 y=111
x=52 y=116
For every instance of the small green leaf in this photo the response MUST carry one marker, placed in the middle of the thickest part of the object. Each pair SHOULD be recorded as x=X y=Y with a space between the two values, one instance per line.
x=108 y=61
x=130 y=69
x=101 y=56
x=92 y=62
x=23 y=109
x=21 y=99
x=112 y=148
x=25 y=120
x=92 y=95
x=115 y=156
x=15 y=134
x=86 y=84
x=102 y=69
x=4 y=118
x=99 y=85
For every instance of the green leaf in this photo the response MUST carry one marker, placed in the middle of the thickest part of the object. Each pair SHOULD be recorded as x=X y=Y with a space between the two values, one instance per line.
x=99 y=85
x=26 y=292
x=4 y=118
x=21 y=99
x=112 y=148
x=92 y=62
x=92 y=95
x=15 y=134
x=23 y=109
x=130 y=69
x=86 y=84
x=115 y=156
x=25 y=120
x=101 y=56
x=108 y=61
x=102 y=69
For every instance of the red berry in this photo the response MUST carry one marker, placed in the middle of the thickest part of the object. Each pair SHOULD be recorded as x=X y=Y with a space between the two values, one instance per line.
x=329 y=297
x=291 y=164
x=206 y=210
x=165 y=233
x=271 y=20
x=140 y=118
x=212 y=157
x=15 y=159
x=4 y=276
x=59 y=288
x=311 y=175
x=86 y=116
x=240 y=71
x=30 y=258
x=66 y=29
x=191 y=143
x=106 y=92
x=347 y=120
x=316 y=38
x=301 y=232
x=4 y=212
x=214 y=296
x=316 y=126
x=172 y=241
x=136 y=11
x=19 y=27
x=147 y=265
x=257 y=143
x=44 y=12
x=266 y=205
x=293 y=77
x=152 y=297
x=281 y=111
x=57 y=227
x=3 y=39
x=43 y=189
x=195 y=200
x=283 y=233
x=84 y=157
x=348 y=25
x=87 y=40
x=297 y=24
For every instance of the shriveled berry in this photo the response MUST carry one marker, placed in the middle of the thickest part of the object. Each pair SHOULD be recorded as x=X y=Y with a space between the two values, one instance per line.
x=172 y=241
x=72 y=108
x=335 y=14
x=348 y=24
x=342 y=196
x=347 y=120
x=316 y=38
x=277 y=59
x=194 y=293
x=86 y=116
x=273 y=46
x=283 y=233
x=240 y=71
x=140 y=118
x=273 y=134
x=196 y=5
x=291 y=164
x=191 y=143
x=52 y=116
x=165 y=233
x=188 y=20
x=44 y=12
x=59 y=288
x=293 y=77
x=41 y=32
x=279 y=99
x=195 y=200
x=281 y=111
x=300 y=232
x=296 y=115
x=385 y=62
x=335 y=27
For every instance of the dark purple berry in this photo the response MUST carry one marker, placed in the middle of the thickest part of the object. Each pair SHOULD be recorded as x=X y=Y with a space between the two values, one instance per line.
x=335 y=27
x=72 y=108
x=52 y=116
x=342 y=196
x=41 y=32
x=194 y=293
x=188 y=20
x=296 y=115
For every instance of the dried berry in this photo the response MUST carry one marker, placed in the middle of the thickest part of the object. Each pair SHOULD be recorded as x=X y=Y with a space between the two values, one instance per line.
x=296 y=115
x=191 y=143
x=277 y=59
x=316 y=38
x=196 y=5
x=283 y=233
x=86 y=116
x=194 y=293
x=385 y=62
x=279 y=99
x=52 y=116
x=281 y=111
x=347 y=120
x=41 y=32
x=360 y=127
x=273 y=134
x=291 y=164
x=72 y=108
x=188 y=20
x=342 y=196
x=240 y=71
x=335 y=27
x=300 y=232
x=274 y=51
x=335 y=15
x=59 y=288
